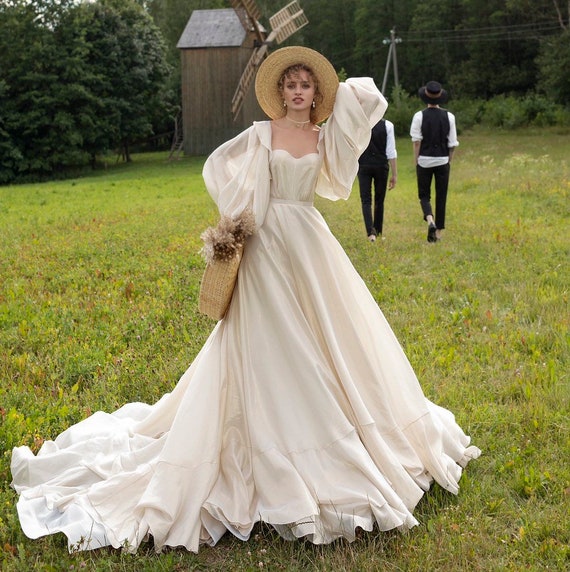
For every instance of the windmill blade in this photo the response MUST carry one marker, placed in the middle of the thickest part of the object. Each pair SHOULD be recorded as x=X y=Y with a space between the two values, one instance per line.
x=283 y=24
x=250 y=6
x=286 y=22
x=248 y=13
x=246 y=78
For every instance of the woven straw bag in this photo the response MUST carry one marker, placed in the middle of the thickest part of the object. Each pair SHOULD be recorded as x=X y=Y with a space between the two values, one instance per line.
x=218 y=285
x=223 y=251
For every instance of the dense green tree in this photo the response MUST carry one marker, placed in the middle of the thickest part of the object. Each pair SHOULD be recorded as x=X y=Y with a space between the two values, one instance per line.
x=498 y=54
x=479 y=49
x=331 y=30
x=79 y=77
x=553 y=59
x=127 y=66
x=34 y=117
x=428 y=51
x=75 y=80
x=9 y=153
x=375 y=18
x=89 y=86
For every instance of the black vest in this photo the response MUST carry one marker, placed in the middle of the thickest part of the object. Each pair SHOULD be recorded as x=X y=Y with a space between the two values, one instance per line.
x=375 y=153
x=435 y=129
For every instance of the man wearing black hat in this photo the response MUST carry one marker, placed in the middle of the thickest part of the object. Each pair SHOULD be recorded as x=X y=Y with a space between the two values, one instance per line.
x=434 y=137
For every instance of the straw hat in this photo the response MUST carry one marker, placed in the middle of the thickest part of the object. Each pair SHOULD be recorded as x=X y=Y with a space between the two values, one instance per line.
x=272 y=68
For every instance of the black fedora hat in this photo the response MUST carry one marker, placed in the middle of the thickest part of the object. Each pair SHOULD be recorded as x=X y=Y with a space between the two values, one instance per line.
x=433 y=93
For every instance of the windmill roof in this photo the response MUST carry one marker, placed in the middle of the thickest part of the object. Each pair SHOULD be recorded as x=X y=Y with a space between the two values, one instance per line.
x=212 y=28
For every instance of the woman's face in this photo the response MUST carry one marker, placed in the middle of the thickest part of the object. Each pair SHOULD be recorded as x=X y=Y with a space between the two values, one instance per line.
x=298 y=90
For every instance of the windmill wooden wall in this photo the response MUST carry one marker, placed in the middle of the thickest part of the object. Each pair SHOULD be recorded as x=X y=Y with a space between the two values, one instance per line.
x=215 y=49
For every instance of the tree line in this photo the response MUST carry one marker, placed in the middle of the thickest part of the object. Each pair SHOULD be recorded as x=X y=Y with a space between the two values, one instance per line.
x=477 y=49
x=79 y=79
x=76 y=80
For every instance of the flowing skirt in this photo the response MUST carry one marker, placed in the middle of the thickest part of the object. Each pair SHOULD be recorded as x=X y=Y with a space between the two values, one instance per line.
x=301 y=410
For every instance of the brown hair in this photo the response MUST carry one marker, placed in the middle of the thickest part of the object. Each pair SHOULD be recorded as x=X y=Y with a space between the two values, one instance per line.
x=294 y=70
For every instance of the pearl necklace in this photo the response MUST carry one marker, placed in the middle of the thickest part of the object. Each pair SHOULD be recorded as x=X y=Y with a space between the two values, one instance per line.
x=297 y=124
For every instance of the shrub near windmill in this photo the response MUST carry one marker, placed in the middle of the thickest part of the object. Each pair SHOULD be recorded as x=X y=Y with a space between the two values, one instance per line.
x=220 y=53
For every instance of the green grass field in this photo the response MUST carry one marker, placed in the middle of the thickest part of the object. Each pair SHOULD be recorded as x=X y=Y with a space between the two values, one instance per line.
x=99 y=279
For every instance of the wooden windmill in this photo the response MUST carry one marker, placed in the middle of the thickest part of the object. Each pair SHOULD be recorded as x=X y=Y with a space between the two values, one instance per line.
x=220 y=51
x=283 y=24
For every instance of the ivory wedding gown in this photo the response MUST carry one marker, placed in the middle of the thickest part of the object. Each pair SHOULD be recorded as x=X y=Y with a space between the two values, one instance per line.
x=301 y=410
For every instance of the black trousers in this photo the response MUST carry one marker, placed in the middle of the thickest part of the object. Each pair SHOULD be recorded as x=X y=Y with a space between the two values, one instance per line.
x=377 y=175
x=424 y=177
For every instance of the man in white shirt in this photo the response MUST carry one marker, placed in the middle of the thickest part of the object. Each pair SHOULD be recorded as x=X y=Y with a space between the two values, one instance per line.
x=434 y=137
x=374 y=166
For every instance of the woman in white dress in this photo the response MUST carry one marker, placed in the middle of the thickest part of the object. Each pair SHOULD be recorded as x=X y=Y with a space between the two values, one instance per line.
x=301 y=410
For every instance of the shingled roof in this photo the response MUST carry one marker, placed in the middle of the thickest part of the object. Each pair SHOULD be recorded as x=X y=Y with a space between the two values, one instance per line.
x=212 y=28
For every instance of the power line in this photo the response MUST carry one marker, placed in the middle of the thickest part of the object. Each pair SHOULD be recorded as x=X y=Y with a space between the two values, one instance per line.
x=485 y=34
x=463 y=39
x=486 y=28
x=481 y=34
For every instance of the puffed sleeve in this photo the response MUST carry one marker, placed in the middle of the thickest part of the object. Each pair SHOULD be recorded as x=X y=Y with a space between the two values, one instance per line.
x=359 y=105
x=237 y=176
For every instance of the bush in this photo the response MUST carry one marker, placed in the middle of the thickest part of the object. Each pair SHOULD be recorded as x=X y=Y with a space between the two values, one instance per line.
x=532 y=110
x=468 y=112
x=401 y=109
x=562 y=117
x=553 y=57
x=503 y=111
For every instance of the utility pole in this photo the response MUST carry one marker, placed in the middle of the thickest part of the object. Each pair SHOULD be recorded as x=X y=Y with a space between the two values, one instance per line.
x=393 y=40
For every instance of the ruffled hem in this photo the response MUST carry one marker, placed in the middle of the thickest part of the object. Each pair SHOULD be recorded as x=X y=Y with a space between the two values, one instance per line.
x=317 y=494
x=84 y=533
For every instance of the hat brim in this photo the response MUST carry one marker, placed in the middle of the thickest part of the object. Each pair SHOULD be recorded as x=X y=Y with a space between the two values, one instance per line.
x=272 y=68
x=441 y=98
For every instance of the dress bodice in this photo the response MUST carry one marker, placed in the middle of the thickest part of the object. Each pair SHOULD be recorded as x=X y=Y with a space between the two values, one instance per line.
x=293 y=178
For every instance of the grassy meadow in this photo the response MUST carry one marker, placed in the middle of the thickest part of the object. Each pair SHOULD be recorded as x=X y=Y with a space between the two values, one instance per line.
x=99 y=279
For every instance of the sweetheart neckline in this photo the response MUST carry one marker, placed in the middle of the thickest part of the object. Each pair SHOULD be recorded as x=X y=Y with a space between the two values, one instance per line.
x=293 y=156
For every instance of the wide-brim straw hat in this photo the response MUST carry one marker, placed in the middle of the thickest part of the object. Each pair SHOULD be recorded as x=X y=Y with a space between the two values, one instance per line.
x=272 y=68
x=432 y=93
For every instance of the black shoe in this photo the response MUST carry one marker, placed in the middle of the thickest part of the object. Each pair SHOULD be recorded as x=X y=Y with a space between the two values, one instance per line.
x=431 y=237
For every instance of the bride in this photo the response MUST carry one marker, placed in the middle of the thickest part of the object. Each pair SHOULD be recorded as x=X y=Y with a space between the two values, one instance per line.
x=301 y=409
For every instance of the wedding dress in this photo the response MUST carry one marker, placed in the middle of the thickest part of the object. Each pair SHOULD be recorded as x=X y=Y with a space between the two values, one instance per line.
x=301 y=409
